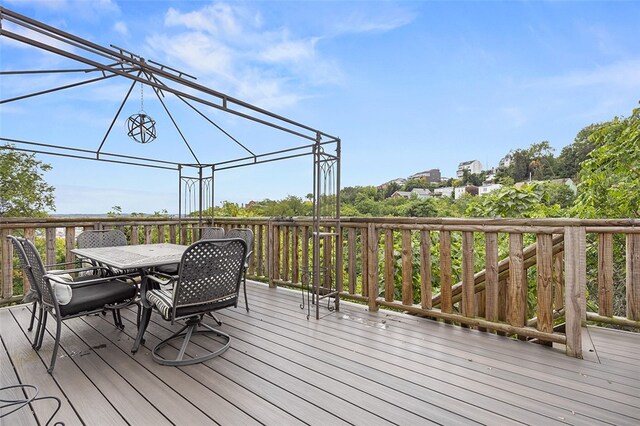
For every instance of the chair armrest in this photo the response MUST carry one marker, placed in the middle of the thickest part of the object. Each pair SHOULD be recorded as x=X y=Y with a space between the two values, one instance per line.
x=55 y=278
x=58 y=265
x=169 y=279
x=72 y=271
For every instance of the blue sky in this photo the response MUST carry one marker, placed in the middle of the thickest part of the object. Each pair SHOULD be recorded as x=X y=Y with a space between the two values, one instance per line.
x=407 y=86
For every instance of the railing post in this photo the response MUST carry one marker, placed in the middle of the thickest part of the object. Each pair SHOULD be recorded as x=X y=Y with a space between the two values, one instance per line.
x=492 y=283
x=50 y=244
x=69 y=244
x=372 y=266
x=426 y=298
x=544 y=282
x=468 y=284
x=270 y=254
x=7 y=265
x=605 y=274
x=407 y=268
x=633 y=277
x=517 y=289
x=575 y=263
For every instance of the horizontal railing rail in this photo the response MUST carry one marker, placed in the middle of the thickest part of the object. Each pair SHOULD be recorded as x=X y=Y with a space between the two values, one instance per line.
x=534 y=279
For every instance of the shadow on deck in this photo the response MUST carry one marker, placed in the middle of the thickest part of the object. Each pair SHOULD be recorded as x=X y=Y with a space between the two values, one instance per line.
x=350 y=367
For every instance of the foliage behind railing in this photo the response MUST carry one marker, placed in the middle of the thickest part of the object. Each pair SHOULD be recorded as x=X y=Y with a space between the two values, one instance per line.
x=511 y=276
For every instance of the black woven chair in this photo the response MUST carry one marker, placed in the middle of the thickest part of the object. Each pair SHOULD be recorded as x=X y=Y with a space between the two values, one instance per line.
x=208 y=280
x=211 y=233
x=247 y=235
x=103 y=238
x=206 y=233
x=90 y=295
x=34 y=294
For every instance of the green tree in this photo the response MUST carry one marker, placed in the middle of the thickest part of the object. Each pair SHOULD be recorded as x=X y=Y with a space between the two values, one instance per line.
x=536 y=199
x=415 y=183
x=572 y=156
x=23 y=190
x=390 y=189
x=541 y=164
x=609 y=180
x=420 y=208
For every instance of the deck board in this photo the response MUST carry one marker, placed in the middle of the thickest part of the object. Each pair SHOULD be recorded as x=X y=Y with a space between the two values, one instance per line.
x=350 y=367
x=445 y=371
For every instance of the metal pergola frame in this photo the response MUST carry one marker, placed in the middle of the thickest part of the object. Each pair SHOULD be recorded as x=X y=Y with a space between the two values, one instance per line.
x=103 y=63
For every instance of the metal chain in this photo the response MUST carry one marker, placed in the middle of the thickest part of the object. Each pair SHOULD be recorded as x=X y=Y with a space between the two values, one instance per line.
x=141 y=97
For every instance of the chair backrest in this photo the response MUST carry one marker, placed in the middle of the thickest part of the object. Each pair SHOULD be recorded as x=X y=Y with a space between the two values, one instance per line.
x=210 y=272
x=18 y=248
x=244 y=233
x=102 y=238
x=211 y=233
x=38 y=271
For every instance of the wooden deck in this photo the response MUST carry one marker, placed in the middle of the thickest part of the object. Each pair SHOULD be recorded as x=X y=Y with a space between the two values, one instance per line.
x=350 y=367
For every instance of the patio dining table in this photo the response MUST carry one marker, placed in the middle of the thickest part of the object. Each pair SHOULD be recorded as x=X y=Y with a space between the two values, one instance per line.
x=142 y=257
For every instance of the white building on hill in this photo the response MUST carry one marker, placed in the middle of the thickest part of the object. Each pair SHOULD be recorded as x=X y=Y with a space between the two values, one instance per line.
x=473 y=166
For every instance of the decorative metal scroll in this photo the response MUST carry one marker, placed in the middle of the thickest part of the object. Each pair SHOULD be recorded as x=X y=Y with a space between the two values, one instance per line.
x=196 y=194
x=323 y=279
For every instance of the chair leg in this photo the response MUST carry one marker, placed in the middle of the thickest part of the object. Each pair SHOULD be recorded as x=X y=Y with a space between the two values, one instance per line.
x=120 y=323
x=56 y=344
x=37 y=335
x=33 y=315
x=116 y=321
x=192 y=329
x=144 y=322
x=41 y=329
x=138 y=314
x=215 y=318
x=244 y=284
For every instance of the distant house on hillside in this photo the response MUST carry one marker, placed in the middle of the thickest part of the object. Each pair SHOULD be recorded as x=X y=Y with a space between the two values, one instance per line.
x=490 y=175
x=487 y=188
x=473 y=166
x=399 y=181
x=506 y=160
x=461 y=190
x=566 y=181
x=415 y=192
x=443 y=192
x=431 y=176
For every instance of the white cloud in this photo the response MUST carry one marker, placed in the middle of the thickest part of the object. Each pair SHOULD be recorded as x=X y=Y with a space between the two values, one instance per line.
x=217 y=18
x=83 y=7
x=121 y=28
x=233 y=48
x=363 y=21
x=621 y=75
x=49 y=4
x=289 y=50
x=33 y=35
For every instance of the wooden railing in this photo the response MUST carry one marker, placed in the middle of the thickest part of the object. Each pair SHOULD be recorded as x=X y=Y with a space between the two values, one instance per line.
x=527 y=278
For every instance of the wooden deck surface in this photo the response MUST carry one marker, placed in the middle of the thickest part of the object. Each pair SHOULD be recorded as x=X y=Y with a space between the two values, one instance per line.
x=350 y=367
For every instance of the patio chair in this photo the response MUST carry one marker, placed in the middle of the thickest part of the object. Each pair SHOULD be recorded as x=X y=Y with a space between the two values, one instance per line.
x=209 y=280
x=206 y=233
x=211 y=233
x=34 y=295
x=103 y=238
x=65 y=300
x=247 y=235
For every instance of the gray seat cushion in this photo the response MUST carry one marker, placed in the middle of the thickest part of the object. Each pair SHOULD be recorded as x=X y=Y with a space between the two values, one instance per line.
x=92 y=297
